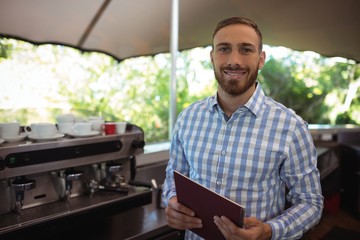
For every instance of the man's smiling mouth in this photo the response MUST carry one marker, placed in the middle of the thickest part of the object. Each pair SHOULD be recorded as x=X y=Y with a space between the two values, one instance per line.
x=235 y=73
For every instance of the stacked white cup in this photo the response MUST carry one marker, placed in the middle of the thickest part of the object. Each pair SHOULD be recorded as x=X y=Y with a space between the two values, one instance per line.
x=82 y=128
x=42 y=130
x=120 y=127
x=65 y=122
x=96 y=123
x=9 y=130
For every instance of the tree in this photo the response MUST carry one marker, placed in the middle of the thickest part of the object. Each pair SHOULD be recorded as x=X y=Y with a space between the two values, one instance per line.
x=136 y=90
x=313 y=87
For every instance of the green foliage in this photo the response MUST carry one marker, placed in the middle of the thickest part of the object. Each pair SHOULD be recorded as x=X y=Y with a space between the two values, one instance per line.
x=137 y=90
x=307 y=86
x=5 y=48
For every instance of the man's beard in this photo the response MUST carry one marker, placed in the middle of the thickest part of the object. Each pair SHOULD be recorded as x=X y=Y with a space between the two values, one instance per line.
x=232 y=87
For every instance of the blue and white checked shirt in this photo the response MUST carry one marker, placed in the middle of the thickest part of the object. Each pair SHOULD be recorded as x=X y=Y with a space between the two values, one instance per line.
x=250 y=158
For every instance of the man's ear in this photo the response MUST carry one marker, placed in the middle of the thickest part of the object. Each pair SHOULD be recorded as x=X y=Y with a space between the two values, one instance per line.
x=211 y=56
x=262 y=59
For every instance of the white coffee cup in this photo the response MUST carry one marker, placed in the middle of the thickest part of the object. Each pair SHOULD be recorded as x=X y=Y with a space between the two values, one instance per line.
x=65 y=127
x=43 y=130
x=82 y=128
x=9 y=130
x=120 y=127
x=96 y=124
x=65 y=118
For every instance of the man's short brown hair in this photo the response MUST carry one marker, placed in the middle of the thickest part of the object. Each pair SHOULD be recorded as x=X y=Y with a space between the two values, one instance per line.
x=239 y=20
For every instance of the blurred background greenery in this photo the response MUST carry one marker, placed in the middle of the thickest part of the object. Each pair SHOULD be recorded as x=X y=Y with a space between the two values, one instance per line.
x=40 y=82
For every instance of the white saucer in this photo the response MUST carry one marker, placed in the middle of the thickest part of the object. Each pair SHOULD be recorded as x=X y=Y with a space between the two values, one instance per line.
x=1 y=141
x=39 y=139
x=90 y=134
x=21 y=137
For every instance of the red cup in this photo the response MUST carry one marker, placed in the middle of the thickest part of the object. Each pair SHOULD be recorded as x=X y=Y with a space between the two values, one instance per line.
x=109 y=128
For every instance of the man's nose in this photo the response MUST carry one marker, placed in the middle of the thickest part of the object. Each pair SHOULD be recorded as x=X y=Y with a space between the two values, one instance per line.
x=235 y=59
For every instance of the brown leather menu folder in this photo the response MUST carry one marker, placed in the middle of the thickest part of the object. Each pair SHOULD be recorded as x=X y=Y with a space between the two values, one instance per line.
x=206 y=204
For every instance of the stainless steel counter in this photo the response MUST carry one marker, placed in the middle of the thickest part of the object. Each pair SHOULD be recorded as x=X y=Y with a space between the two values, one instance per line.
x=144 y=222
x=332 y=129
x=327 y=132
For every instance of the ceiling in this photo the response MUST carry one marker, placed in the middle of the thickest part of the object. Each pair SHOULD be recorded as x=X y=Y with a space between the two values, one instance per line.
x=130 y=28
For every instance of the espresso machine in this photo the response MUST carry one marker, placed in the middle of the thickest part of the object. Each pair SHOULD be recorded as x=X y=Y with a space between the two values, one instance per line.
x=49 y=181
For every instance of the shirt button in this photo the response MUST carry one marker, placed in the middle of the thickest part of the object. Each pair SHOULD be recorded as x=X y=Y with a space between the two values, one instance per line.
x=218 y=182
x=223 y=152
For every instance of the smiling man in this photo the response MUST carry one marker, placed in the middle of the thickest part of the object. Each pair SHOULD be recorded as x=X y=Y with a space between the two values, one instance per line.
x=237 y=57
x=246 y=147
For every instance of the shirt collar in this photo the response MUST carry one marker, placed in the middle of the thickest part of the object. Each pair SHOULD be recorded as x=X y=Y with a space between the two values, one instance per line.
x=256 y=100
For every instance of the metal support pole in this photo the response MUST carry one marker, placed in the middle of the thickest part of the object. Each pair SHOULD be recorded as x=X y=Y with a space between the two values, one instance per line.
x=174 y=54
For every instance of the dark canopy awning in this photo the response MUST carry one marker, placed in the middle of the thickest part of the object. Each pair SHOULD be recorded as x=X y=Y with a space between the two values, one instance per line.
x=129 y=28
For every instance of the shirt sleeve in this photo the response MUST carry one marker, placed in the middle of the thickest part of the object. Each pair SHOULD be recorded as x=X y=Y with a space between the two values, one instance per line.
x=177 y=161
x=302 y=178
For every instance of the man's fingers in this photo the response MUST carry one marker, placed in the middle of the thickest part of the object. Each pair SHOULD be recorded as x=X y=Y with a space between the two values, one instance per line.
x=181 y=217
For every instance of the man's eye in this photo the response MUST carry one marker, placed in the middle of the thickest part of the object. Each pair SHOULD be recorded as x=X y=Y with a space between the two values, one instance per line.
x=246 y=50
x=224 y=49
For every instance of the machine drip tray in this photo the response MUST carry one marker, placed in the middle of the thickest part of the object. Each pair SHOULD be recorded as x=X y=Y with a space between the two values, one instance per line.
x=102 y=203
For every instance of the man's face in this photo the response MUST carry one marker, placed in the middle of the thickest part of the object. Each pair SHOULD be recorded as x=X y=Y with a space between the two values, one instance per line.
x=236 y=58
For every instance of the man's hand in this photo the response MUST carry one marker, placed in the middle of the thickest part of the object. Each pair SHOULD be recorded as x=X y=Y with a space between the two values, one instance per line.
x=181 y=217
x=254 y=229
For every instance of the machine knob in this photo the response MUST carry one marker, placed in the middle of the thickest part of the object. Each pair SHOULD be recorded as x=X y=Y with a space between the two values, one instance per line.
x=22 y=184
x=138 y=144
x=113 y=177
x=72 y=175
x=113 y=167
